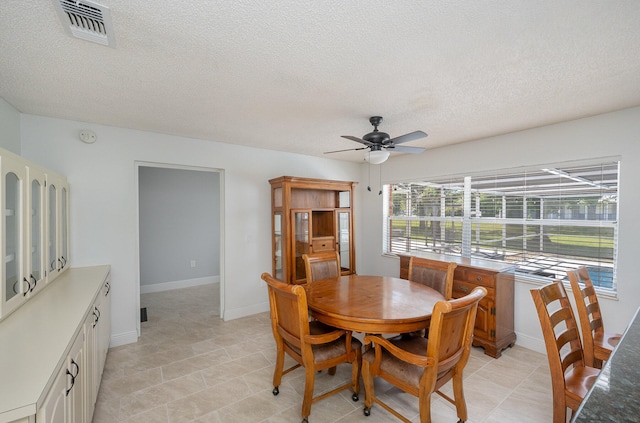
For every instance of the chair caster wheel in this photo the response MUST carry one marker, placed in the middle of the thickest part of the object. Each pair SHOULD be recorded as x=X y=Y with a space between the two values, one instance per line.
x=275 y=391
x=460 y=421
x=355 y=397
x=304 y=421
x=366 y=411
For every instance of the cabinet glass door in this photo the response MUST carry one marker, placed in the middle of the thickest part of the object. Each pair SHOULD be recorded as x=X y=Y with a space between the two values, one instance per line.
x=64 y=229
x=53 y=226
x=278 y=272
x=36 y=229
x=301 y=225
x=35 y=251
x=344 y=239
x=12 y=236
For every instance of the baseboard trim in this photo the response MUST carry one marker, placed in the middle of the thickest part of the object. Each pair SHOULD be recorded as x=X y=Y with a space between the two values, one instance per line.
x=531 y=343
x=123 y=339
x=167 y=286
x=237 y=313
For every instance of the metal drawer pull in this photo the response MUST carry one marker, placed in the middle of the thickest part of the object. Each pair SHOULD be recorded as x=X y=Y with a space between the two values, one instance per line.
x=479 y=278
x=464 y=289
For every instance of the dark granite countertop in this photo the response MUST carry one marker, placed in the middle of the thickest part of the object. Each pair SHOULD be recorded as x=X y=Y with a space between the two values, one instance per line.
x=615 y=397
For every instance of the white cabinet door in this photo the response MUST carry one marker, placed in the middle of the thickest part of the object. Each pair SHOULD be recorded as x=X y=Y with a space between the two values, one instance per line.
x=15 y=286
x=58 y=225
x=54 y=406
x=104 y=332
x=64 y=403
x=77 y=370
x=91 y=341
x=35 y=229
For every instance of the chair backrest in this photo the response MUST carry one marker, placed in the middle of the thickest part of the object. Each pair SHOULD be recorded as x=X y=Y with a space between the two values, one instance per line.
x=588 y=308
x=451 y=334
x=322 y=265
x=289 y=313
x=560 y=332
x=433 y=273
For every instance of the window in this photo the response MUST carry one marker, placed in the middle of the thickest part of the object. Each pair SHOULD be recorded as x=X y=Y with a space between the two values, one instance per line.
x=545 y=220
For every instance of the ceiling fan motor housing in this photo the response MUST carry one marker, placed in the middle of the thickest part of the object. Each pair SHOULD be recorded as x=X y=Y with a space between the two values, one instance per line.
x=376 y=137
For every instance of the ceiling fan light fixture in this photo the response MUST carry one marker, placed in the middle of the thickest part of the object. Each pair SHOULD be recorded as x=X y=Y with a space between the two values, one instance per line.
x=376 y=156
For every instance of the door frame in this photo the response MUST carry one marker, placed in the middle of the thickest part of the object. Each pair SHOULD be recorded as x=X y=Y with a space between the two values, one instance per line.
x=138 y=164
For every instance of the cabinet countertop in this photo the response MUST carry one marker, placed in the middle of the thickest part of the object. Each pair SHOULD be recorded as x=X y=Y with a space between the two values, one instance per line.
x=477 y=263
x=35 y=338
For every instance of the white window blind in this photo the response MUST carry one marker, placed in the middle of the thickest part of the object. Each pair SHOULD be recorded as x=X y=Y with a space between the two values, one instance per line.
x=545 y=220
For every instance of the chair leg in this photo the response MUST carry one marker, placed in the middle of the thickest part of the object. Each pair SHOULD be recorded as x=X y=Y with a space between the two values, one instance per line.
x=332 y=370
x=307 y=398
x=277 y=373
x=559 y=412
x=369 y=394
x=458 y=396
x=425 y=406
x=356 y=365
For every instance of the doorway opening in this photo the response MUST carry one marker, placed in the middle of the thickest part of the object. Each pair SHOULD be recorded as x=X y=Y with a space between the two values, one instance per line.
x=180 y=214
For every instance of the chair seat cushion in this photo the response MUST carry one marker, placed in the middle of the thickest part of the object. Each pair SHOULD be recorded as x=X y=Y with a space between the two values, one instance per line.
x=332 y=349
x=410 y=373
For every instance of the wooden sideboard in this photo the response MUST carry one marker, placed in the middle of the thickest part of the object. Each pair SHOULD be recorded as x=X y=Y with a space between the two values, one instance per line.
x=494 y=320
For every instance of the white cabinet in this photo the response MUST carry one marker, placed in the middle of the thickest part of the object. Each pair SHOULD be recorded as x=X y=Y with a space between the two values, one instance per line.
x=57 y=224
x=34 y=230
x=64 y=402
x=67 y=331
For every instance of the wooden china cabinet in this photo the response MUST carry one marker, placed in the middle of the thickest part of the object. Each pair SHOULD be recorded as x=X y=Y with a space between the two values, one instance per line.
x=310 y=215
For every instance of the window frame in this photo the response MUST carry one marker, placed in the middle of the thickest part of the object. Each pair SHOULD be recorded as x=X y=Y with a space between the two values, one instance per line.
x=570 y=189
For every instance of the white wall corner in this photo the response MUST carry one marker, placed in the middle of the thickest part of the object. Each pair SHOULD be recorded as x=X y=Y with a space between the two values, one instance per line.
x=123 y=339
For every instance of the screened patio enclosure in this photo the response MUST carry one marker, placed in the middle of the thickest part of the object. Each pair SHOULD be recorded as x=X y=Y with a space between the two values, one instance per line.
x=545 y=220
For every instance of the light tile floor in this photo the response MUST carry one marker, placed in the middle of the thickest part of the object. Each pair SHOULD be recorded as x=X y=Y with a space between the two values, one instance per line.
x=190 y=366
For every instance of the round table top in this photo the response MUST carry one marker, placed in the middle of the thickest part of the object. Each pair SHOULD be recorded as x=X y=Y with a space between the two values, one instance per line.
x=372 y=304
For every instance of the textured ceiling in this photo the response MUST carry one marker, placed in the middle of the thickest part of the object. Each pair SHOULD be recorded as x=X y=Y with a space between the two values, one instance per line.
x=294 y=75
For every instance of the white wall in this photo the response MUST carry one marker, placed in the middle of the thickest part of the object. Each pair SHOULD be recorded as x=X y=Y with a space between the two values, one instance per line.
x=104 y=204
x=179 y=222
x=9 y=127
x=612 y=134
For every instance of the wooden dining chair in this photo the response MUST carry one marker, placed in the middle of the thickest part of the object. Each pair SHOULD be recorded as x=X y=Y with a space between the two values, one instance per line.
x=323 y=265
x=433 y=273
x=571 y=378
x=313 y=345
x=421 y=366
x=596 y=343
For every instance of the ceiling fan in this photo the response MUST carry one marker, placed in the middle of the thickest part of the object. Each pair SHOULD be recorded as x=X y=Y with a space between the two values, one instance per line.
x=381 y=144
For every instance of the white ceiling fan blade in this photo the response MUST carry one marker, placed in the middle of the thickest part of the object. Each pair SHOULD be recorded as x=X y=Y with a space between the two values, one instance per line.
x=416 y=135
x=356 y=139
x=348 y=149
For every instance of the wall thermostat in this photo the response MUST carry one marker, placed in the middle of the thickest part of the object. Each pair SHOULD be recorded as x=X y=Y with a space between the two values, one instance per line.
x=87 y=136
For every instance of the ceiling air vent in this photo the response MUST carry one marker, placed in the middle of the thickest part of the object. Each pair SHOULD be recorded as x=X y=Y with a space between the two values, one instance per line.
x=86 y=20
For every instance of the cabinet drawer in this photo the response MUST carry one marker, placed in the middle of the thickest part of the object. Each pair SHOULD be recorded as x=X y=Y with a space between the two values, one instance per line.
x=326 y=243
x=461 y=288
x=477 y=277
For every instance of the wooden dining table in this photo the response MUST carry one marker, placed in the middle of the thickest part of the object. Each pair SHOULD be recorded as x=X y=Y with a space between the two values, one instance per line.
x=372 y=304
